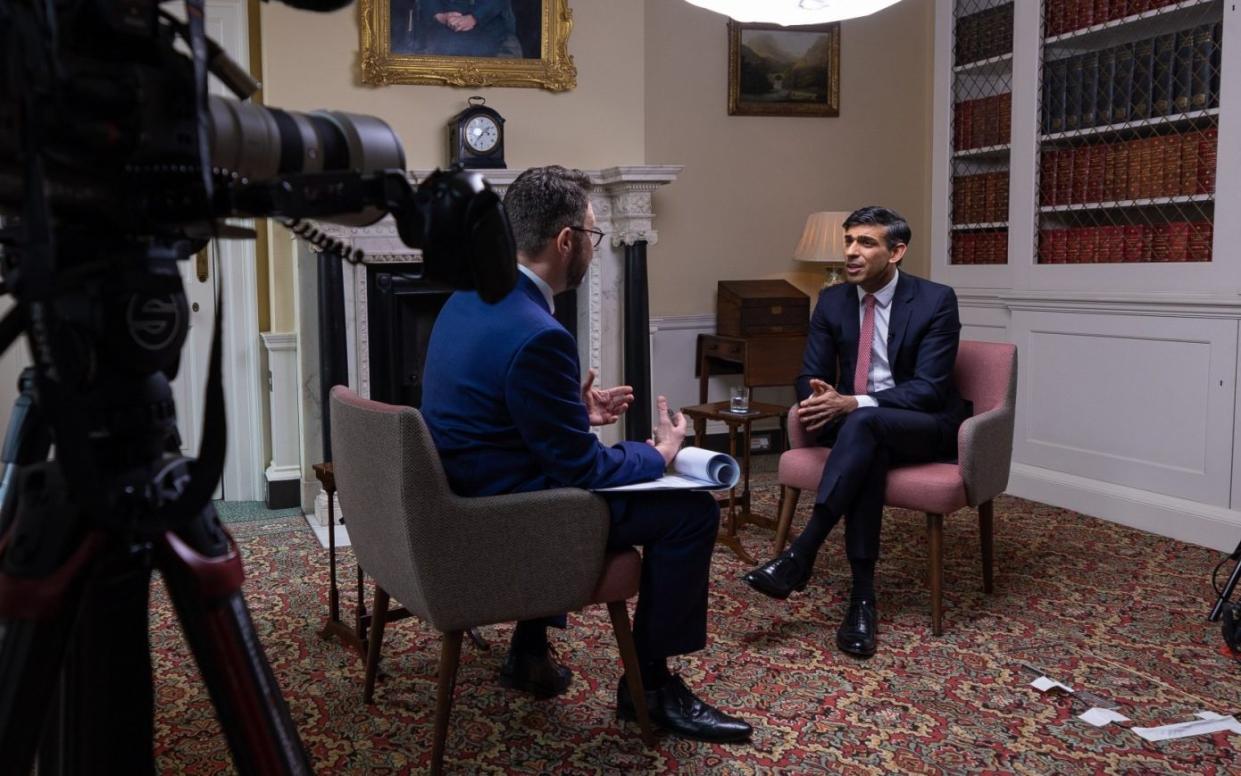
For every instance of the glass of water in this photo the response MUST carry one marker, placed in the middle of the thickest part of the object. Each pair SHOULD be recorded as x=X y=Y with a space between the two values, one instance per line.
x=739 y=399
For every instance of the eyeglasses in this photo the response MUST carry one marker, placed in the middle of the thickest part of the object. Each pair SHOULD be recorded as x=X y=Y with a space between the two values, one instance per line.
x=598 y=234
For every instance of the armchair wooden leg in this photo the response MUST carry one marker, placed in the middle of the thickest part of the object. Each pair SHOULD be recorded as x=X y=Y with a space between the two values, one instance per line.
x=450 y=655
x=376 y=641
x=788 y=505
x=986 y=531
x=935 y=542
x=633 y=677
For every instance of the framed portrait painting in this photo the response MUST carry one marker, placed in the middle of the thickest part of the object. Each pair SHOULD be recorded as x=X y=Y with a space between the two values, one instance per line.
x=468 y=43
x=783 y=71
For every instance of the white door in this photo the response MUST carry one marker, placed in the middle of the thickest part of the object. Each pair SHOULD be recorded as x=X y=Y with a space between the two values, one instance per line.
x=229 y=267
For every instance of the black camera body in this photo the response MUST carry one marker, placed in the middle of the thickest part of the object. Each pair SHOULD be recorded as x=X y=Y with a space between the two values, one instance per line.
x=1230 y=626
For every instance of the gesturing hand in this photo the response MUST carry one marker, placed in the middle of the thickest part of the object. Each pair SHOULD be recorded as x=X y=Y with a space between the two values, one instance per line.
x=669 y=433
x=605 y=406
x=823 y=406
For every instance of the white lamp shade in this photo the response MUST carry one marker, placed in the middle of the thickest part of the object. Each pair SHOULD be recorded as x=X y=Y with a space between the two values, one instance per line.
x=793 y=12
x=823 y=239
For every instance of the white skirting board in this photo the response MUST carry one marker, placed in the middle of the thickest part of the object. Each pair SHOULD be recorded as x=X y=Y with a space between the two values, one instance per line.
x=1187 y=521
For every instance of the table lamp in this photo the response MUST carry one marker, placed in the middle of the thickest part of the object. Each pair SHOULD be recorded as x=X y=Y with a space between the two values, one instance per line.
x=823 y=241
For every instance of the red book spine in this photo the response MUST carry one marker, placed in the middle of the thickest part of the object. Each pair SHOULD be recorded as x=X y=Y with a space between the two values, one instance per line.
x=1044 y=246
x=958 y=248
x=1090 y=245
x=1171 y=166
x=1189 y=163
x=1064 y=176
x=1109 y=172
x=1059 y=246
x=1134 y=189
x=1047 y=178
x=1160 y=242
x=1001 y=196
x=1178 y=241
x=1101 y=11
x=1118 y=9
x=1055 y=17
x=1207 y=150
x=967 y=249
x=1133 y=243
x=1081 y=174
x=1154 y=151
x=1096 y=165
x=1005 y=118
x=1113 y=244
x=1201 y=236
x=1085 y=13
x=1120 y=183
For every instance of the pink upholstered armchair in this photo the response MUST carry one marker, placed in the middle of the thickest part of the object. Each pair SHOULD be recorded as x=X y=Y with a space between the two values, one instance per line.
x=457 y=563
x=986 y=374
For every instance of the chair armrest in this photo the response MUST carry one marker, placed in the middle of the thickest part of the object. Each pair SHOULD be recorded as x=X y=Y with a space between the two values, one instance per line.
x=512 y=557
x=985 y=454
x=798 y=435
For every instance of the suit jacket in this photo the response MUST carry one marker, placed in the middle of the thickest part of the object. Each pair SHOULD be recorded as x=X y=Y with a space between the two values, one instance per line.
x=923 y=333
x=502 y=398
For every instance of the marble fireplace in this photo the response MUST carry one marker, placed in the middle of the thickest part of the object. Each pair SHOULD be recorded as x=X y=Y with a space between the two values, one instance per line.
x=622 y=201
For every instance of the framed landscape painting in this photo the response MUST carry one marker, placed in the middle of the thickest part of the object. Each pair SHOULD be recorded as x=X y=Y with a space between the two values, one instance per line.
x=467 y=43
x=783 y=71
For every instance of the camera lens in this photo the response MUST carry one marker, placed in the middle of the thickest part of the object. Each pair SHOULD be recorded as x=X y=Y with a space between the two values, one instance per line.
x=258 y=143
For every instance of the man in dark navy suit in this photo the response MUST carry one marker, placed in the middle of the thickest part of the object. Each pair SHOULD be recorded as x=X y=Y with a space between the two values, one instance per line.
x=504 y=404
x=876 y=385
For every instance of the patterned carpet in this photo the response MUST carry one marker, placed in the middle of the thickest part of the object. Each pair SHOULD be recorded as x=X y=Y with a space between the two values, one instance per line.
x=1097 y=606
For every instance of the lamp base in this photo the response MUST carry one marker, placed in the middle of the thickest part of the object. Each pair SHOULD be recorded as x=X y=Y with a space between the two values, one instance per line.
x=833 y=276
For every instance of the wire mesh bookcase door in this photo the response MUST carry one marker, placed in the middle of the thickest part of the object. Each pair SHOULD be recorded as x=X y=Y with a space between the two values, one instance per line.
x=1129 y=119
x=981 y=130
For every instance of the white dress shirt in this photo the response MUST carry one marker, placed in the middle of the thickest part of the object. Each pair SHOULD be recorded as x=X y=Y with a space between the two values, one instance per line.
x=547 y=290
x=880 y=377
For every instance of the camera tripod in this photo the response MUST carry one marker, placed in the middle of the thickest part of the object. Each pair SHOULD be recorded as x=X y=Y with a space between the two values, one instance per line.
x=80 y=535
x=1218 y=610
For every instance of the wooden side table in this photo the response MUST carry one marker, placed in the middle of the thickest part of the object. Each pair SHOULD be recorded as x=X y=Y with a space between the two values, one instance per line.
x=762 y=361
x=735 y=421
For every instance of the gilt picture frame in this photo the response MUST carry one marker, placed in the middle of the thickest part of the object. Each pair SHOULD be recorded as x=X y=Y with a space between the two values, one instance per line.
x=783 y=71
x=501 y=43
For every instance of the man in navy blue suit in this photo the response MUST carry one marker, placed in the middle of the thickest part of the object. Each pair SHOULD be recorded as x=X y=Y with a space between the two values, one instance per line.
x=504 y=404
x=876 y=385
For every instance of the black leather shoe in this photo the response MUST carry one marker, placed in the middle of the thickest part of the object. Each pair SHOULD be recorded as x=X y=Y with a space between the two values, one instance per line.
x=539 y=675
x=780 y=576
x=676 y=709
x=856 y=635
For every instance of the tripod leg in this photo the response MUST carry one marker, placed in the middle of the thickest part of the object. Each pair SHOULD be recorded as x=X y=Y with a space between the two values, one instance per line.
x=1218 y=610
x=45 y=558
x=203 y=573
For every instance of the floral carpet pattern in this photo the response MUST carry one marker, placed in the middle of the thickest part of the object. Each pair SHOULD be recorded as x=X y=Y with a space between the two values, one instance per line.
x=1102 y=608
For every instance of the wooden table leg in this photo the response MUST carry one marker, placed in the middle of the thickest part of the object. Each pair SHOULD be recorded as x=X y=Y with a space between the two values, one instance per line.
x=350 y=637
x=728 y=537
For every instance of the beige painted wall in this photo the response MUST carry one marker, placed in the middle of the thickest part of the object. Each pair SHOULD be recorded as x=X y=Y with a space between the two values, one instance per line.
x=311 y=61
x=750 y=181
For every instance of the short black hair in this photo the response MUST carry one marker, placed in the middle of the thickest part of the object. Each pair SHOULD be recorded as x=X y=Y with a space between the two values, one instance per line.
x=543 y=201
x=895 y=226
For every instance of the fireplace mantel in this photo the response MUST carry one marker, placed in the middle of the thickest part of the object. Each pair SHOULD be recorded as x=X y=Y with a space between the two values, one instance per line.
x=624 y=209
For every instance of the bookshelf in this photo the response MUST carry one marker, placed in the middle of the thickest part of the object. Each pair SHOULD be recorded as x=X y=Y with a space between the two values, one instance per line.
x=982 y=78
x=1121 y=274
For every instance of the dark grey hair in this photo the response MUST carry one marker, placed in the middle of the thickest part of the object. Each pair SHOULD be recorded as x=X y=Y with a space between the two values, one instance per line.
x=543 y=201
x=895 y=226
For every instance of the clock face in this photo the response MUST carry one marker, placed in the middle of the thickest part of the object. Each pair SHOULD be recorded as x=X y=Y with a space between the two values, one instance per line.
x=481 y=134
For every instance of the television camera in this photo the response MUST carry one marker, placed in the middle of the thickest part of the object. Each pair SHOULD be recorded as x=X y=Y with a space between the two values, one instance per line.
x=115 y=164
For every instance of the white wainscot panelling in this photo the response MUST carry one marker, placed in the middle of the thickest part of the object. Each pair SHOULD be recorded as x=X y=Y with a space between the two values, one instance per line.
x=1140 y=401
x=983 y=317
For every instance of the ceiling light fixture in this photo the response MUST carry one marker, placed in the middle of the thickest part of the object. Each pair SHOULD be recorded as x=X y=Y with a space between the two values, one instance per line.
x=793 y=12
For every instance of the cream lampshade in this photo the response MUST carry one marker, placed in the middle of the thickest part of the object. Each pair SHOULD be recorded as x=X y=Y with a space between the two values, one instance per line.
x=823 y=241
x=791 y=12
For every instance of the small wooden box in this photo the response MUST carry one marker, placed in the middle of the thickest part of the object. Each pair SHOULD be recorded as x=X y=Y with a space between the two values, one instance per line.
x=760 y=308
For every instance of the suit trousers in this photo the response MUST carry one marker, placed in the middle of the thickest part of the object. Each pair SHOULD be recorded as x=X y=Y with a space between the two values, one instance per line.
x=865 y=445
x=676 y=531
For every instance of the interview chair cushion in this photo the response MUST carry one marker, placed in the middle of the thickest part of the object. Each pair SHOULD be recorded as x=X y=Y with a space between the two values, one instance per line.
x=622 y=572
x=926 y=487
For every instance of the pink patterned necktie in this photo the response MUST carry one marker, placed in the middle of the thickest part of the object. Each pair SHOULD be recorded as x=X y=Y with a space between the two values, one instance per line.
x=864 y=342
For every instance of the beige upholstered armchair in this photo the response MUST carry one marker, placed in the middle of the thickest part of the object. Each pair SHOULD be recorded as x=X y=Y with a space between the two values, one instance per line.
x=458 y=563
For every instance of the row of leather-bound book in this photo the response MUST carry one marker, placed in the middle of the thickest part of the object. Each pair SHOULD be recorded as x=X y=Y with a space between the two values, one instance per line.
x=1173 y=165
